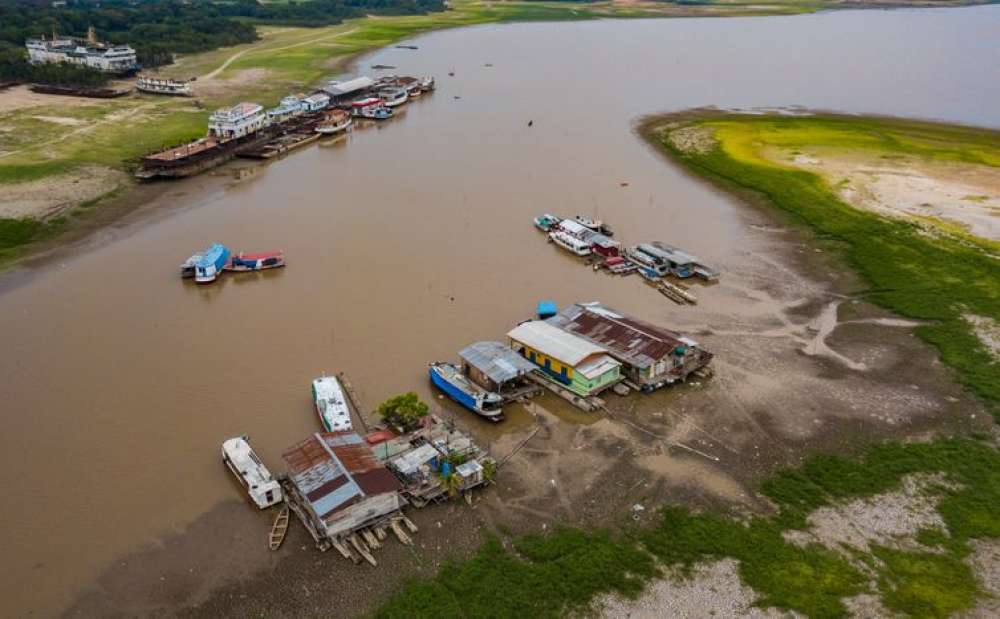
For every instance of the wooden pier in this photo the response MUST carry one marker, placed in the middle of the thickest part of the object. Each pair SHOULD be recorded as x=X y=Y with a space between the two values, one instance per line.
x=588 y=404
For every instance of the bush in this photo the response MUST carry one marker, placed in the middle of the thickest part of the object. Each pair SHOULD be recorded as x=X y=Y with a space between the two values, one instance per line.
x=403 y=411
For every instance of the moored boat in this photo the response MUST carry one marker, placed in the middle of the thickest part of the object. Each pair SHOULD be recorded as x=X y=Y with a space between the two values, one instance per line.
x=427 y=83
x=372 y=107
x=241 y=460
x=242 y=261
x=393 y=96
x=331 y=405
x=206 y=266
x=449 y=378
x=570 y=243
x=546 y=222
x=334 y=121
x=594 y=224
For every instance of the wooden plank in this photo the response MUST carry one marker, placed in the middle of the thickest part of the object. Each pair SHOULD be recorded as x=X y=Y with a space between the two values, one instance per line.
x=362 y=549
x=352 y=395
x=409 y=524
x=400 y=533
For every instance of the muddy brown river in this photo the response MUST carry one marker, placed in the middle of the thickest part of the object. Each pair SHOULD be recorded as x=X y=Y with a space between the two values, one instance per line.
x=405 y=242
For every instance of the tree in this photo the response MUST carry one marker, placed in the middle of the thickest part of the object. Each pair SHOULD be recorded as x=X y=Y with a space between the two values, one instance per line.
x=403 y=411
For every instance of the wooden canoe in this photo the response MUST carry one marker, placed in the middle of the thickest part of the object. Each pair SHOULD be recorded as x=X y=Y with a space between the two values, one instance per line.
x=279 y=529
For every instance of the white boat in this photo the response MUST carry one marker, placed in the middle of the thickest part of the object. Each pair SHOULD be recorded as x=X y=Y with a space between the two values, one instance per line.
x=393 y=96
x=594 y=224
x=331 y=406
x=427 y=84
x=156 y=86
x=241 y=460
x=334 y=121
x=570 y=243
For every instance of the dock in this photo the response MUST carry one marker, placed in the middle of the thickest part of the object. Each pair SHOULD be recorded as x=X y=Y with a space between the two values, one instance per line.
x=589 y=404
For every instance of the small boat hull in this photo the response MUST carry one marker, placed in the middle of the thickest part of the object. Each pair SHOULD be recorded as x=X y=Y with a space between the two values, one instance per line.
x=462 y=396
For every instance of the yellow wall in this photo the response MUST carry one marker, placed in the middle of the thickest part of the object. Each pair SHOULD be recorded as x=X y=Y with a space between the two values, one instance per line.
x=555 y=365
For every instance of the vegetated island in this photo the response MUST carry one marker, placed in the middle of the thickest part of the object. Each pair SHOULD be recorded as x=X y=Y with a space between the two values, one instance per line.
x=60 y=157
x=908 y=204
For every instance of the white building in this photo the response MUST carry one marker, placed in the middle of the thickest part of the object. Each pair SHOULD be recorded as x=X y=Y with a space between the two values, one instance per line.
x=316 y=102
x=100 y=56
x=237 y=121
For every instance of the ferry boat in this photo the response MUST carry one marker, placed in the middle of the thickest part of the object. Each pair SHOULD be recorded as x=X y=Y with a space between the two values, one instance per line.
x=243 y=262
x=334 y=121
x=570 y=243
x=241 y=460
x=331 y=406
x=163 y=86
x=449 y=379
x=546 y=222
x=427 y=84
x=205 y=267
x=393 y=96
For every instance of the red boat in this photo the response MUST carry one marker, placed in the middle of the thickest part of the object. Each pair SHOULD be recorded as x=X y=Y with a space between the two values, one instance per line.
x=255 y=262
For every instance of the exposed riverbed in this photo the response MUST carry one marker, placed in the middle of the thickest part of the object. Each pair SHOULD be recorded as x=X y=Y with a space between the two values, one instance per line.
x=408 y=240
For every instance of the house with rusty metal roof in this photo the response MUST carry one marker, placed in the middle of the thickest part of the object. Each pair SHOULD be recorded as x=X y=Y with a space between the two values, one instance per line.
x=337 y=486
x=651 y=356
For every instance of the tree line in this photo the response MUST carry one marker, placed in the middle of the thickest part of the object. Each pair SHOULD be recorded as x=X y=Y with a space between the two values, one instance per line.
x=158 y=29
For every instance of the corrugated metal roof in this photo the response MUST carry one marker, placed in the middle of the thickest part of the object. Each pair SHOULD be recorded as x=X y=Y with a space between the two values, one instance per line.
x=576 y=229
x=498 y=362
x=633 y=341
x=334 y=470
x=554 y=342
x=343 y=88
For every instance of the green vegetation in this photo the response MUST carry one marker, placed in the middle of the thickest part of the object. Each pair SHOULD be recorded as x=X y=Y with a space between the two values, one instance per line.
x=557 y=574
x=15 y=233
x=935 y=275
x=403 y=411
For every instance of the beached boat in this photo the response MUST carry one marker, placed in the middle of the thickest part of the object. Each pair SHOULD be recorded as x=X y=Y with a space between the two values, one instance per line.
x=334 y=121
x=393 y=96
x=206 y=266
x=243 y=262
x=331 y=405
x=279 y=529
x=156 y=86
x=570 y=243
x=241 y=460
x=546 y=222
x=449 y=378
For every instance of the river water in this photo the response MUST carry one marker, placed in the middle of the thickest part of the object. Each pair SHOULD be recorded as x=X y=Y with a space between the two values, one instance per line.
x=405 y=242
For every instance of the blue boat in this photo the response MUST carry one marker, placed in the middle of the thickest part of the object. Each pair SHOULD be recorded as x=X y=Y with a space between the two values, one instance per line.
x=209 y=264
x=449 y=379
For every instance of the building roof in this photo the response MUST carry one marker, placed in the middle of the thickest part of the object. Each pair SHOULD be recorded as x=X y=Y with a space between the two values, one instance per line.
x=633 y=341
x=338 y=89
x=334 y=470
x=498 y=362
x=554 y=342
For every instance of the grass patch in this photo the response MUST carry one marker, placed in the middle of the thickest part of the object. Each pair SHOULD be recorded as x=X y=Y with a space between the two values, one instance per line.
x=936 y=278
x=16 y=234
x=559 y=574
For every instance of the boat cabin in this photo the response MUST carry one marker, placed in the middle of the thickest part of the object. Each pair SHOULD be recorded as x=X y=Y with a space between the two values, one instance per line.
x=604 y=246
x=243 y=462
x=570 y=243
x=677 y=262
x=576 y=229
x=495 y=367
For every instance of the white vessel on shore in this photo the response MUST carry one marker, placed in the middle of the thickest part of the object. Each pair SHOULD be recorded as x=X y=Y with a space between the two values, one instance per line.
x=163 y=86
x=241 y=460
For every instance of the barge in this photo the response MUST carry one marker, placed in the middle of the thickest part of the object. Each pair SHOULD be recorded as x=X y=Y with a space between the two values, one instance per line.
x=72 y=91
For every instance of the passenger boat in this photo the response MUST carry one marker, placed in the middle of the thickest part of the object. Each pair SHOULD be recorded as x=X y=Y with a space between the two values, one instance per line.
x=594 y=224
x=334 y=121
x=328 y=396
x=393 y=96
x=546 y=222
x=163 y=86
x=427 y=84
x=570 y=243
x=241 y=460
x=372 y=107
x=205 y=267
x=243 y=262
x=449 y=378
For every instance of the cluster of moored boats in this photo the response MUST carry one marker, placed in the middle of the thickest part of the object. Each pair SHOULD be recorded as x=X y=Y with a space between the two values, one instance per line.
x=586 y=237
x=206 y=266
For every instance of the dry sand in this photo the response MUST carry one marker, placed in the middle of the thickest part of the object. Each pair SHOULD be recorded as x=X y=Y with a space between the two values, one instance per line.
x=48 y=197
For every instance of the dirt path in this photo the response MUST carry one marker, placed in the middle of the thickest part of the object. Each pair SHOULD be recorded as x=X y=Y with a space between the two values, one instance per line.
x=215 y=73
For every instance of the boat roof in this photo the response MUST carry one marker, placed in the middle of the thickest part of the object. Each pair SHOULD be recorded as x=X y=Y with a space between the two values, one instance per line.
x=574 y=227
x=603 y=241
x=211 y=255
x=244 y=459
x=337 y=88
x=554 y=342
x=633 y=341
x=498 y=362
x=334 y=470
x=671 y=252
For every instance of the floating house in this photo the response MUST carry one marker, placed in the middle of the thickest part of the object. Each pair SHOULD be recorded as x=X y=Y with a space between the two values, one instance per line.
x=651 y=356
x=580 y=366
x=605 y=246
x=336 y=486
x=495 y=367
